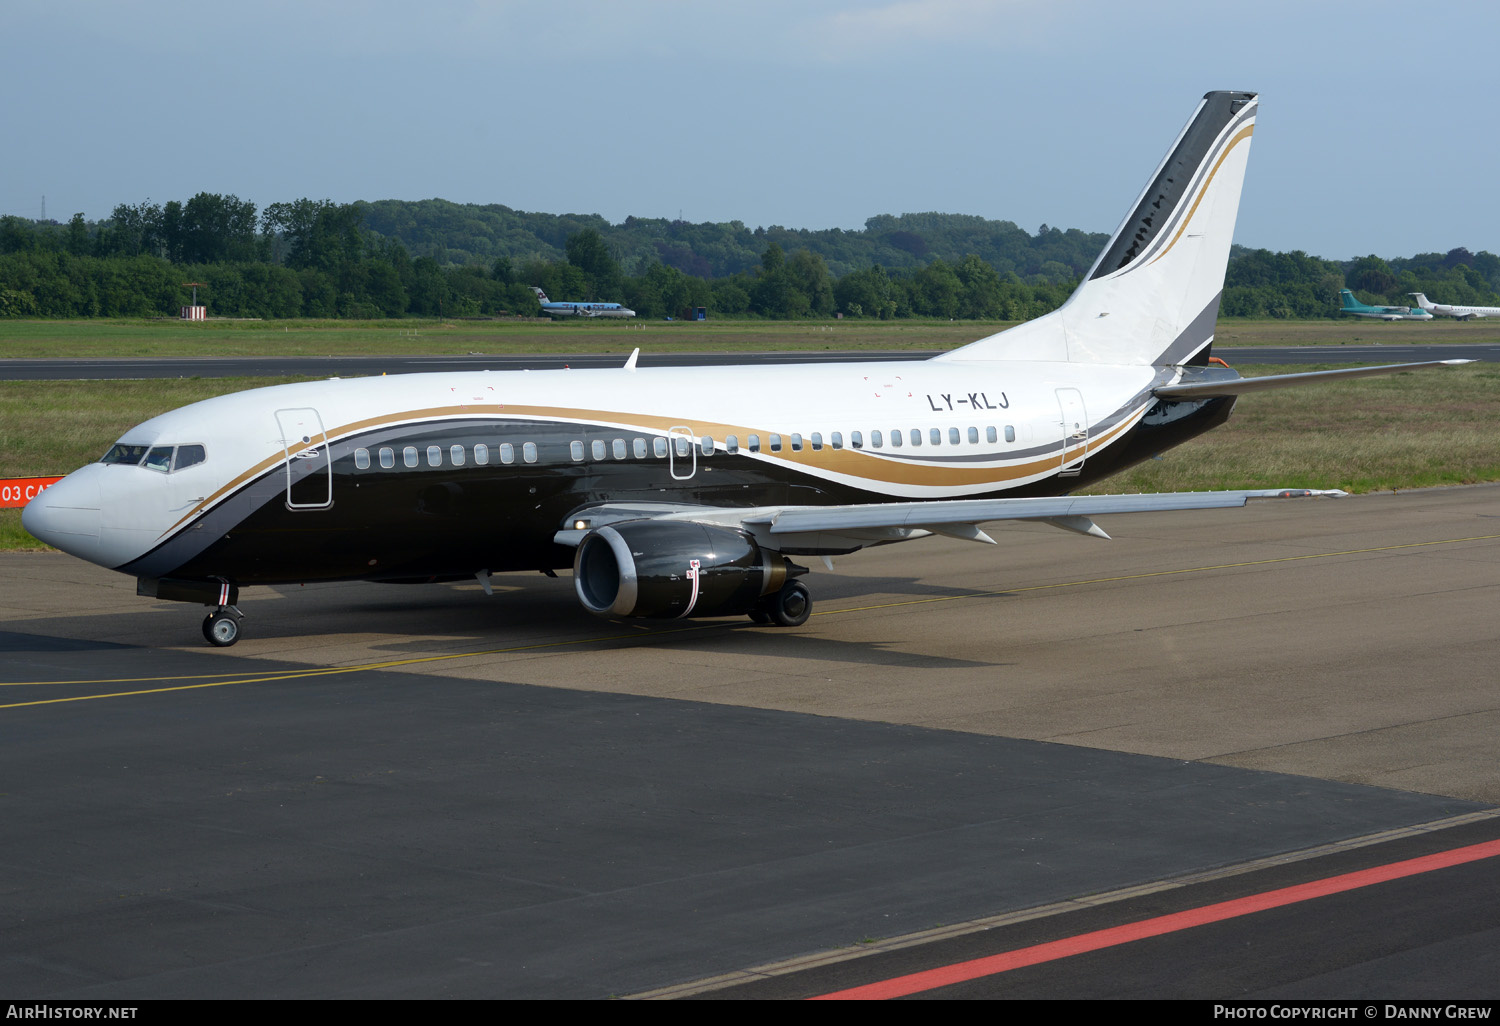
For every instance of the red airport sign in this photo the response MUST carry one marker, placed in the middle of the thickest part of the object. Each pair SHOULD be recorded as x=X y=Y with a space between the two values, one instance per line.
x=18 y=491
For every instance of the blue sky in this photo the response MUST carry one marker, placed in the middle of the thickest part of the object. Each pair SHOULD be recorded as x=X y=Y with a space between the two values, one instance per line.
x=1377 y=130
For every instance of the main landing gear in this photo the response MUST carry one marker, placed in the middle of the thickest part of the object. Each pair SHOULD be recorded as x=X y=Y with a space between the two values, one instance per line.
x=221 y=628
x=789 y=607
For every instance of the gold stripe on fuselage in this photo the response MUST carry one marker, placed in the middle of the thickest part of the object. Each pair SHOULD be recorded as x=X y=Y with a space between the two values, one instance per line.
x=861 y=464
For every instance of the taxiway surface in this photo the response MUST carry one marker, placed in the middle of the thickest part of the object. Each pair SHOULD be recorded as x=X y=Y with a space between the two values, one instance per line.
x=421 y=791
x=120 y=368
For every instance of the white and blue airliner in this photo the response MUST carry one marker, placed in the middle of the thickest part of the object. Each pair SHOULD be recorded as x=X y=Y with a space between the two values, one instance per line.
x=552 y=309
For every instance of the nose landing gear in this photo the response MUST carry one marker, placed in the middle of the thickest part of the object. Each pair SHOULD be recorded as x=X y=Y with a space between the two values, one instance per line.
x=221 y=628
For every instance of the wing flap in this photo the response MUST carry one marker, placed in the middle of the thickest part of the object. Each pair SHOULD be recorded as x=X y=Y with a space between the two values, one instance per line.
x=840 y=529
x=798 y=519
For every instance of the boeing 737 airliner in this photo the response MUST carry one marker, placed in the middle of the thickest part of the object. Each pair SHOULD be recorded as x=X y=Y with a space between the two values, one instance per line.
x=688 y=491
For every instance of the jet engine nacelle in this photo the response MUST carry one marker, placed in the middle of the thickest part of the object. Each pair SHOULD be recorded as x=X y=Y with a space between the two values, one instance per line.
x=666 y=569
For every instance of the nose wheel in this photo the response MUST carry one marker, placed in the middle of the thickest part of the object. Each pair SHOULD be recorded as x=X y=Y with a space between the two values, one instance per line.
x=221 y=628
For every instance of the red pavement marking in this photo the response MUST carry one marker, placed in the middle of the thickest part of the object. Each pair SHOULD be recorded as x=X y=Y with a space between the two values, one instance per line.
x=961 y=972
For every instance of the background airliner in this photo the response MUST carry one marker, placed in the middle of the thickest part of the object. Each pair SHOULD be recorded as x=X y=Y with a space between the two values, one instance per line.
x=552 y=309
x=1385 y=313
x=680 y=492
x=1462 y=313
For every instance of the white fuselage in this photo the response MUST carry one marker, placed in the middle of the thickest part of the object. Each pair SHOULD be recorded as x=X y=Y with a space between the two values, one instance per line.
x=964 y=429
x=586 y=310
x=1464 y=313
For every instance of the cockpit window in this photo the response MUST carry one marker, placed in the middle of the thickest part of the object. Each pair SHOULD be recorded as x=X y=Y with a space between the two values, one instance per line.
x=129 y=455
x=188 y=456
x=165 y=458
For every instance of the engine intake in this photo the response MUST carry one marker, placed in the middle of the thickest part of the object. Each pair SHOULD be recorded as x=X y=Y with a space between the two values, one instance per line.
x=667 y=569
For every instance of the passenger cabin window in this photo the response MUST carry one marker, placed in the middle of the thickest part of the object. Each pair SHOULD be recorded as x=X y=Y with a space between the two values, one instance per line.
x=575 y=449
x=639 y=448
x=953 y=436
x=838 y=439
x=1010 y=433
x=936 y=436
x=456 y=454
x=409 y=455
x=481 y=454
x=875 y=440
x=434 y=455
x=659 y=447
x=752 y=443
x=989 y=433
x=732 y=444
x=598 y=448
x=817 y=441
x=362 y=459
x=916 y=436
x=387 y=457
x=528 y=452
x=706 y=445
x=973 y=436
x=796 y=442
x=856 y=440
x=618 y=445
x=775 y=443
x=896 y=439
x=507 y=453
x=682 y=443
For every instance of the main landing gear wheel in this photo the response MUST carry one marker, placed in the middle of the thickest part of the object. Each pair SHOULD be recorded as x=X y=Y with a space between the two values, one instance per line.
x=792 y=605
x=221 y=628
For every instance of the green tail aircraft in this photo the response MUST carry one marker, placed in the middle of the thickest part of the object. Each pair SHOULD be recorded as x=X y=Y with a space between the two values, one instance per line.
x=1385 y=313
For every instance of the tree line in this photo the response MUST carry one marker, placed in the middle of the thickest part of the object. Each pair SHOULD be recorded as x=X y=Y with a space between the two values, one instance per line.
x=469 y=233
x=316 y=258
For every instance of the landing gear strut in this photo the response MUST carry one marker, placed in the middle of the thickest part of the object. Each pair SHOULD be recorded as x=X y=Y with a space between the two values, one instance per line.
x=221 y=628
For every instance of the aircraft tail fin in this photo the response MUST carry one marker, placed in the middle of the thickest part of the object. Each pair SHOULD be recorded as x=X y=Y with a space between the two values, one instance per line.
x=1422 y=301
x=541 y=297
x=1152 y=297
x=1347 y=300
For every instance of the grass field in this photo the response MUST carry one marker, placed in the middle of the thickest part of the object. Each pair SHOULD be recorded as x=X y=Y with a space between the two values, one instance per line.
x=1416 y=430
x=125 y=338
x=52 y=427
x=1407 y=431
x=55 y=339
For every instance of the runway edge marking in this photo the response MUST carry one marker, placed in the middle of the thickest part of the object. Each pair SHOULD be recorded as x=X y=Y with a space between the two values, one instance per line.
x=814 y=960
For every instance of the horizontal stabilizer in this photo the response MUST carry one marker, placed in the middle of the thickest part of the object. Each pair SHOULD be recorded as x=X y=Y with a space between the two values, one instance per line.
x=1239 y=386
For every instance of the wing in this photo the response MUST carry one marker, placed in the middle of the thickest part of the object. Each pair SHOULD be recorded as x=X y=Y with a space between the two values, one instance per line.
x=836 y=530
x=1229 y=385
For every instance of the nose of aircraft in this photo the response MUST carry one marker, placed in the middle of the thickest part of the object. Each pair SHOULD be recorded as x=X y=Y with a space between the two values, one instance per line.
x=66 y=515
